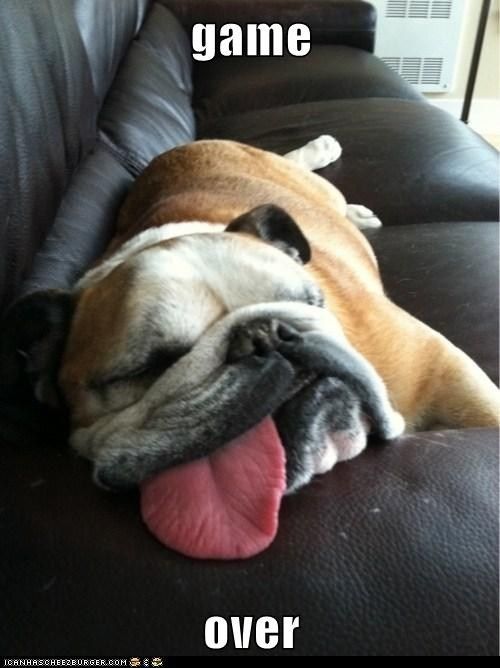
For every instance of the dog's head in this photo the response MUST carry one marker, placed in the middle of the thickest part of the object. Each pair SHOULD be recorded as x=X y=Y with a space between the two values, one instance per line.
x=172 y=347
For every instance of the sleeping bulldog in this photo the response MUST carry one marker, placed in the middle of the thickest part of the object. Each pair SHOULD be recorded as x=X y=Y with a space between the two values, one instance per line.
x=233 y=342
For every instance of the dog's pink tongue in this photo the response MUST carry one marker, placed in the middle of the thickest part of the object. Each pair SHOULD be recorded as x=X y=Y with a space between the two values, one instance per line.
x=224 y=506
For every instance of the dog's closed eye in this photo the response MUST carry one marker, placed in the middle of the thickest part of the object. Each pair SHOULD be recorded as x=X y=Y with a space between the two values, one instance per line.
x=156 y=363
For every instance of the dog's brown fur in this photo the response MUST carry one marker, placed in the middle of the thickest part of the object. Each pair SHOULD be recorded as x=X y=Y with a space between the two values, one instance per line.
x=430 y=381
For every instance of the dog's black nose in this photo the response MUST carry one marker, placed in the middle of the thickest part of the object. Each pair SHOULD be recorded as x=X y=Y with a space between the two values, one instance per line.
x=258 y=337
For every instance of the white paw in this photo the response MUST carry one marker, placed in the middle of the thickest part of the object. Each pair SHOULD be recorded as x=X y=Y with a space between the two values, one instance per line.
x=327 y=150
x=397 y=426
x=317 y=153
x=362 y=217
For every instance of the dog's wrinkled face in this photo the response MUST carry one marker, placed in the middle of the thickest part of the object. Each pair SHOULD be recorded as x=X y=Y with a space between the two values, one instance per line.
x=133 y=323
x=184 y=344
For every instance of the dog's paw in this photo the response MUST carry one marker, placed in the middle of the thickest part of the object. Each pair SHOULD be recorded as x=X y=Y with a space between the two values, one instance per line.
x=362 y=217
x=395 y=426
x=317 y=153
x=325 y=149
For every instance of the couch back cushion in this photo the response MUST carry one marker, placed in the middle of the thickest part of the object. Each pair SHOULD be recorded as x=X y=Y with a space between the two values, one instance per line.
x=146 y=110
x=57 y=60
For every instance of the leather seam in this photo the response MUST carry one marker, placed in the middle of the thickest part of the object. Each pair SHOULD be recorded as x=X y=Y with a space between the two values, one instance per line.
x=129 y=160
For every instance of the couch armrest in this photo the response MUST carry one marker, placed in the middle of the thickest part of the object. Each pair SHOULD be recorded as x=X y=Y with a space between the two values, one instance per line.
x=348 y=22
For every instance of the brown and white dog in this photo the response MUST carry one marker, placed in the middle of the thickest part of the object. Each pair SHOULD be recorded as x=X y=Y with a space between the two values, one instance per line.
x=237 y=287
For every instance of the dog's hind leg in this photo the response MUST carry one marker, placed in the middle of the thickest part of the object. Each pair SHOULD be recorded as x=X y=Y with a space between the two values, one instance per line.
x=317 y=153
x=463 y=395
x=430 y=381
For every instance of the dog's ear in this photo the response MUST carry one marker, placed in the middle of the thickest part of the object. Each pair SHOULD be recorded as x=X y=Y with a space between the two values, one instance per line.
x=273 y=224
x=32 y=339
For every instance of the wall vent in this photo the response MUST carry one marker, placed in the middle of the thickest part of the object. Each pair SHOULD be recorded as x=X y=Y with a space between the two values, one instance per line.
x=441 y=10
x=418 y=71
x=432 y=70
x=419 y=40
x=396 y=9
x=418 y=9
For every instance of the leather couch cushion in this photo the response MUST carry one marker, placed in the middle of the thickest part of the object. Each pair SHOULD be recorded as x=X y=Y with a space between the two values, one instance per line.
x=106 y=30
x=394 y=552
x=446 y=275
x=326 y=73
x=56 y=66
x=350 y=22
x=84 y=222
x=408 y=161
x=148 y=109
x=47 y=123
x=57 y=59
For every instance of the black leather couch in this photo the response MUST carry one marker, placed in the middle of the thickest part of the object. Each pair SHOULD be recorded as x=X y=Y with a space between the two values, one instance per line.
x=393 y=553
